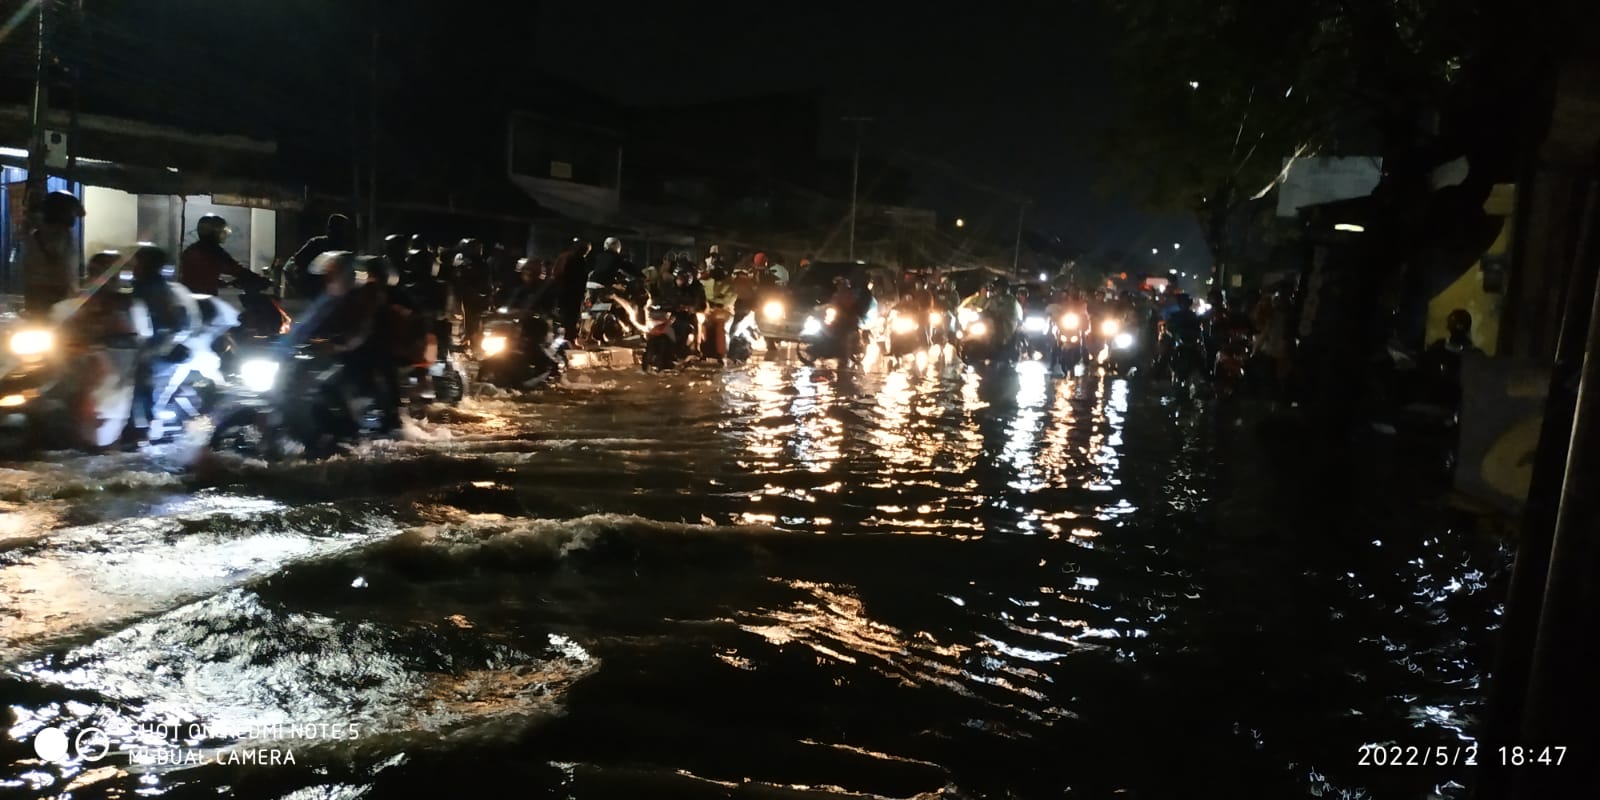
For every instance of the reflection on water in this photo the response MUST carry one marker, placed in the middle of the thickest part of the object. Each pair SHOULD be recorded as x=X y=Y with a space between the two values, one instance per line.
x=934 y=583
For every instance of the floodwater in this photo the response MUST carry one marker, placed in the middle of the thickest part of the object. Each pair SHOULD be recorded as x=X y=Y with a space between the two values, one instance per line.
x=771 y=581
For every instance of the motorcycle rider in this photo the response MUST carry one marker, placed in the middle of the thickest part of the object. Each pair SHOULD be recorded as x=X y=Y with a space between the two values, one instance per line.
x=535 y=291
x=720 y=300
x=337 y=236
x=1003 y=311
x=570 y=272
x=50 y=260
x=347 y=318
x=203 y=263
x=473 y=284
x=684 y=298
x=609 y=265
x=172 y=316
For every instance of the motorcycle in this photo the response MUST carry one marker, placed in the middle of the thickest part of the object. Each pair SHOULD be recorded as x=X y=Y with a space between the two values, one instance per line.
x=611 y=313
x=51 y=396
x=520 y=349
x=667 y=342
x=1039 y=338
x=301 y=400
x=829 y=337
x=1229 y=365
x=909 y=332
x=979 y=345
x=1180 y=356
x=1071 y=341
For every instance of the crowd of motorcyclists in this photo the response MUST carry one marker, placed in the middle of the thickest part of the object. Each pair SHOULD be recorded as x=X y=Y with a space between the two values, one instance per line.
x=395 y=319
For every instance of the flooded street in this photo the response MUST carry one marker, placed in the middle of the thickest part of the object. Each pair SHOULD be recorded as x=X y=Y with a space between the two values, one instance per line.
x=772 y=581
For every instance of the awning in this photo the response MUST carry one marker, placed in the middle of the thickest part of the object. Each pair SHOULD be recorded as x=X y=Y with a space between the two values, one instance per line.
x=144 y=180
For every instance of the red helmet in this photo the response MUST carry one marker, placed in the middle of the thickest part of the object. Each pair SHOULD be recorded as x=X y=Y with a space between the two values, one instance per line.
x=760 y=260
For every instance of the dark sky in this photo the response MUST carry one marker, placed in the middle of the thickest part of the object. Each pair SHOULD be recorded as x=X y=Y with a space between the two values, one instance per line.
x=1008 y=95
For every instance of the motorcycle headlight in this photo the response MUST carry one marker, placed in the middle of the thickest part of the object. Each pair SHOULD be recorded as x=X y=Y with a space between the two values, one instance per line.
x=1034 y=324
x=935 y=319
x=1069 y=321
x=905 y=325
x=830 y=315
x=1123 y=341
x=1110 y=327
x=32 y=342
x=773 y=310
x=966 y=316
x=258 y=374
x=811 y=327
x=505 y=309
x=977 y=329
x=493 y=345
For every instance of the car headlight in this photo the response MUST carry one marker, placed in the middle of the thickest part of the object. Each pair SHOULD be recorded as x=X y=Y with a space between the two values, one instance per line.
x=811 y=327
x=830 y=315
x=1034 y=324
x=1110 y=327
x=1123 y=341
x=493 y=345
x=935 y=319
x=966 y=316
x=1069 y=321
x=258 y=374
x=32 y=342
x=773 y=310
x=904 y=325
x=505 y=309
x=977 y=329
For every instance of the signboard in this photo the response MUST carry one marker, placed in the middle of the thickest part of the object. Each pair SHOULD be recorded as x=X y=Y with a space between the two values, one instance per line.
x=248 y=201
x=1313 y=181
x=561 y=169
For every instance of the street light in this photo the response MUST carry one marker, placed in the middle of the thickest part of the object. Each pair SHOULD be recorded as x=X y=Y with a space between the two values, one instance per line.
x=1155 y=251
x=961 y=223
x=1172 y=272
x=1177 y=246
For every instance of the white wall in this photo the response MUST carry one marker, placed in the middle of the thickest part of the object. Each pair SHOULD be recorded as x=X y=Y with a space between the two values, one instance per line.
x=263 y=238
x=110 y=221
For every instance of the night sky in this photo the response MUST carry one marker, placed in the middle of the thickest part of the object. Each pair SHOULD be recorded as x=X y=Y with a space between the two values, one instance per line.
x=1014 y=98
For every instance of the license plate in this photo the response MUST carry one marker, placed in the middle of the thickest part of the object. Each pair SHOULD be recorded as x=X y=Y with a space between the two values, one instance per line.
x=600 y=307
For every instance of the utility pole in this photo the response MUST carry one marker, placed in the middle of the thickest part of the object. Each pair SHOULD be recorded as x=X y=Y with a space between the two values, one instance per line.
x=855 y=182
x=37 y=182
x=1016 y=250
x=372 y=164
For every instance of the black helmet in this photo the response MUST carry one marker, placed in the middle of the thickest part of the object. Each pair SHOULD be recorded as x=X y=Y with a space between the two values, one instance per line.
x=212 y=228
x=149 y=257
x=682 y=271
x=61 y=208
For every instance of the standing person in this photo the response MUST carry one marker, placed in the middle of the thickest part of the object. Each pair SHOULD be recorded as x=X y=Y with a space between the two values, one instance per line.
x=202 y=264
x=50 y=260
x=472 y=285
x=337 y=236
x=570 y=272
x=720 y=299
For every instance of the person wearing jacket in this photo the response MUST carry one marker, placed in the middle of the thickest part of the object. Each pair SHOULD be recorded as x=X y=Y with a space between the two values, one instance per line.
x=50 y=257
x=203 y=263
x=337 y=236
x=720 y=300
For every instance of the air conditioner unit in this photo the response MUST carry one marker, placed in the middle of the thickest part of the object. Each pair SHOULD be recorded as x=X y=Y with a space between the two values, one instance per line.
x=55 y=149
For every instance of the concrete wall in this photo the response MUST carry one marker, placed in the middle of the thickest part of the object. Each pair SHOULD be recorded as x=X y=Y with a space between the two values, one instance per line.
x=111 y=220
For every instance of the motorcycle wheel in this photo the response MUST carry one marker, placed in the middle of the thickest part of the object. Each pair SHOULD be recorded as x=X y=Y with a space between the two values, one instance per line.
x=247 y=432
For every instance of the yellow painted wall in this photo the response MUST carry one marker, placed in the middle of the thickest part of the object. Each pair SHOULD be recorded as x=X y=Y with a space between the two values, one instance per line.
x=1467 y=291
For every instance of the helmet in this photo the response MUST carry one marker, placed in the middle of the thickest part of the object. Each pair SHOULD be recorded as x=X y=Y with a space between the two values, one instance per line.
x=1000 y=285
x=62 y=207
x=682 y=271
x=149 y=257
x=212 y=228
x=332 y=263
x=1458 y=321
x=459 y=261
x=612 y=242
x=759 y=260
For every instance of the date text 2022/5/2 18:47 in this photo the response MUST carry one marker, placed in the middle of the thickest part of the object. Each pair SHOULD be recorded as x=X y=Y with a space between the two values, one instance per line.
x=1393 y=755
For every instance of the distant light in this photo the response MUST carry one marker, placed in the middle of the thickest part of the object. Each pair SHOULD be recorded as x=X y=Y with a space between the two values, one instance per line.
x=13 y=152
x=1172 y=272
x=1210 y=281
x=1155 y=251
x=172 y=169
x=1177 y=246
x=1043 y=276
x=961 y=223
x=1288 y=91
x=1350 y=226
x=1194 y=84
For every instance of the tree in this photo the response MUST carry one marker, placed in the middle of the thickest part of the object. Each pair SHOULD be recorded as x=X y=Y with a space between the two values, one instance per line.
x=1220 y=92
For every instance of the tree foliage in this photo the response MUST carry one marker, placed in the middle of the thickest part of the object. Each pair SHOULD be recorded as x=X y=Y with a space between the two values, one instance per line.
x=1219 y=92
